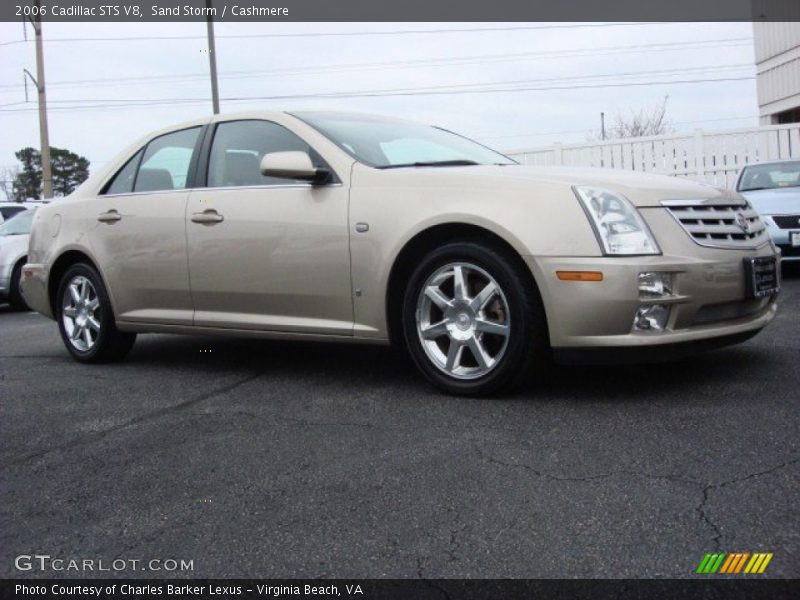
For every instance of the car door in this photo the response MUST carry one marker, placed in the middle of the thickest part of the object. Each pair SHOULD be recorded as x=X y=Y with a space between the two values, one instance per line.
x=137 y=232
x=266 y=253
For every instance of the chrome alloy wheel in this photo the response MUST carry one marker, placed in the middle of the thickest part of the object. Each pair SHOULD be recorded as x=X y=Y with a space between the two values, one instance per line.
x=463 y=320
x=79 y=313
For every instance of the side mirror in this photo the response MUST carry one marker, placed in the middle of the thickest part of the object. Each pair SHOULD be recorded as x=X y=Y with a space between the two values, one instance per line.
x=292 y=165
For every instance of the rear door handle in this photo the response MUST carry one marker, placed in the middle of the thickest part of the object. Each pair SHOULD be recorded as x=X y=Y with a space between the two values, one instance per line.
x=112 y=216
x=207 y=217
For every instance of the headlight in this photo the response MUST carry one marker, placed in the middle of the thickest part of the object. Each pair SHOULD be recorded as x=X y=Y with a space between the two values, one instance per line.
x=617 y=223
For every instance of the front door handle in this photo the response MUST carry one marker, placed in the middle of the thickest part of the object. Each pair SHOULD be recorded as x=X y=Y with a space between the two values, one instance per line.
x=112 y=216
x=207 y=217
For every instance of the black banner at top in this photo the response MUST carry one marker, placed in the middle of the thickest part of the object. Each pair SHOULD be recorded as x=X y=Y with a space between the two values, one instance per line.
x=401 y=10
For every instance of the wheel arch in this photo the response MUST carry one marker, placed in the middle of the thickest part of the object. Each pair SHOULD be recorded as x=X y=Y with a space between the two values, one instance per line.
x=427 y=239
x=17 y=264
x=20 y=262
x=61 y=264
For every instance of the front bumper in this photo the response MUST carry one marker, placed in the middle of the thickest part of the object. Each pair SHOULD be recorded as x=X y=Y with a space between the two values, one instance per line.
x=34 y=288
x=782 y=239
x=708 y=306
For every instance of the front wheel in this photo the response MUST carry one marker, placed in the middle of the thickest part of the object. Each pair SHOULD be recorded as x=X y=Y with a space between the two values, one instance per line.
x=85 y=318
x=473 y=320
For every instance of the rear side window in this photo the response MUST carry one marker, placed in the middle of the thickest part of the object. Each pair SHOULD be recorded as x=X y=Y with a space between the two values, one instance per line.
x=10 y=211
x=123 y=181
x=239 y=146
x=166 y=161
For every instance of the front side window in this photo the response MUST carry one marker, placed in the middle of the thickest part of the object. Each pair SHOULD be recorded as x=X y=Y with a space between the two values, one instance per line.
x=239 y=146
x=387 y=143
x=166 y=161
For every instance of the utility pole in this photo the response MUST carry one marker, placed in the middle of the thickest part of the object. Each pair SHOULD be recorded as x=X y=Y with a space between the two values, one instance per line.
x=603 y=126
x=212 y=59
x=44 y=136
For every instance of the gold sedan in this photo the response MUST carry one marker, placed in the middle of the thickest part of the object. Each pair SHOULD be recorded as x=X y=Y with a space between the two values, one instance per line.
x=336 y=226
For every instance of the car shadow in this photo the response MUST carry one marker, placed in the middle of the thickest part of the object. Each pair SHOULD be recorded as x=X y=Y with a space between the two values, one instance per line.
x=361 y=367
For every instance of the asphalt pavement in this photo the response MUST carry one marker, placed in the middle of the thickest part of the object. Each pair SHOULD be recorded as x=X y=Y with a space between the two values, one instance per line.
x=274 y=459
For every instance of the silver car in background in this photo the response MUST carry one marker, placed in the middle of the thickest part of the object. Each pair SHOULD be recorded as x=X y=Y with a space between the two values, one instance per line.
x=14 y=235
x=773 y=189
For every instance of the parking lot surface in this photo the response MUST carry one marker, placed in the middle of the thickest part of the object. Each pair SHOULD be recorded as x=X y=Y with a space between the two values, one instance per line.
x=274 y=459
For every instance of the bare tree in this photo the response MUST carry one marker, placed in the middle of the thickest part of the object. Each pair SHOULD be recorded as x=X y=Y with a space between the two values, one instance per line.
x=7 y=177
x=646 y=121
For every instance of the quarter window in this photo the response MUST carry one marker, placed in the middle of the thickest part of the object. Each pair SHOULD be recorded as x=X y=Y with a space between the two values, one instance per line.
x=123 y=180
x=239 y=146
x=166 y=160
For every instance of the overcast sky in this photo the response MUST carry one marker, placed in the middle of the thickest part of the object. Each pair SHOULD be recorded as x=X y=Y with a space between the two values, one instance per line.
x=89 y=78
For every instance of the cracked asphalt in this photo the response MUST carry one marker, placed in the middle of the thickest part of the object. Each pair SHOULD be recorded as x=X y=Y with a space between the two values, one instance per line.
x=274 y=459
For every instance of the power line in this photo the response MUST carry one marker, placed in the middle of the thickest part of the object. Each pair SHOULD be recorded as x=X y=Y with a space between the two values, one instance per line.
x=345 y=33
x=377 y=93
x=429 y=62
x=693 y=70
x=454 y=86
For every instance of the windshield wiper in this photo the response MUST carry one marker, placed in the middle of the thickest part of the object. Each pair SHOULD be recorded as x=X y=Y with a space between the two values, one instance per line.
x=434 y=163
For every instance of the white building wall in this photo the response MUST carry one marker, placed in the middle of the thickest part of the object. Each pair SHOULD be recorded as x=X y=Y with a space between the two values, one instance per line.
x=777 y=55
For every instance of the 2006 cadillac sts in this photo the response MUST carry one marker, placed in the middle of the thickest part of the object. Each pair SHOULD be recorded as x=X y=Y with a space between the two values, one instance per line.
x=336 y=226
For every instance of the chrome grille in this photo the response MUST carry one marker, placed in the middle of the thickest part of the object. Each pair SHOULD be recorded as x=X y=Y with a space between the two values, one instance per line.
x=719 y=222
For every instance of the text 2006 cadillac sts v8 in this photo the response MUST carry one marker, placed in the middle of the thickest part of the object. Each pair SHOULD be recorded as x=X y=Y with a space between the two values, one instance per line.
x=335 y=226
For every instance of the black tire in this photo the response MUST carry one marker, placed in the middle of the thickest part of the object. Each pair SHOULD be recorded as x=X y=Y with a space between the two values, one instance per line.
x=15 y=298
x=110 y=344
x=527 y=348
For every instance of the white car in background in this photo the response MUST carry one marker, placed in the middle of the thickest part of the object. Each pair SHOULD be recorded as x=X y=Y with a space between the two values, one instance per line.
x=9 y=209
x=773 y=189
x=14 y=235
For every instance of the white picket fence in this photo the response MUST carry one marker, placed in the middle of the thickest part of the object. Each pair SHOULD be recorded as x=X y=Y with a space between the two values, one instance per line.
x=711 y=156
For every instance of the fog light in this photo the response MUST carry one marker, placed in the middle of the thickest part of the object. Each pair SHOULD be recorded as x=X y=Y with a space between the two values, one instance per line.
x=651 y=317
x=655 y=284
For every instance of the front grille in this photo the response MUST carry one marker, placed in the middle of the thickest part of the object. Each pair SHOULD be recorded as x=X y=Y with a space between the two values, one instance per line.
x=787 y=221
x=728 y=311
x=789 y=252
x=719 y=223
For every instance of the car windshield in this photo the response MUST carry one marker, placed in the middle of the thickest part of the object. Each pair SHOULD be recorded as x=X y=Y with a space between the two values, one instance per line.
x=387 y=143
x=19 y=224
x=770 y=176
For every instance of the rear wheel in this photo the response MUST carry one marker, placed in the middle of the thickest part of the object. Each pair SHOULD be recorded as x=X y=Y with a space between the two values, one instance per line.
x=472 y=320
x=85 y=319
x=15 y=298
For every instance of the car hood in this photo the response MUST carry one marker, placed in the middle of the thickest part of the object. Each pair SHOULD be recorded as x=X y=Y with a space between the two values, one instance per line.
x=642 y=189
x=777 y=201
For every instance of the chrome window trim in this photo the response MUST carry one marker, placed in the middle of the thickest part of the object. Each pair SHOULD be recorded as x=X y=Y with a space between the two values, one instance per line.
x=222 y=189
x=269 y=187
